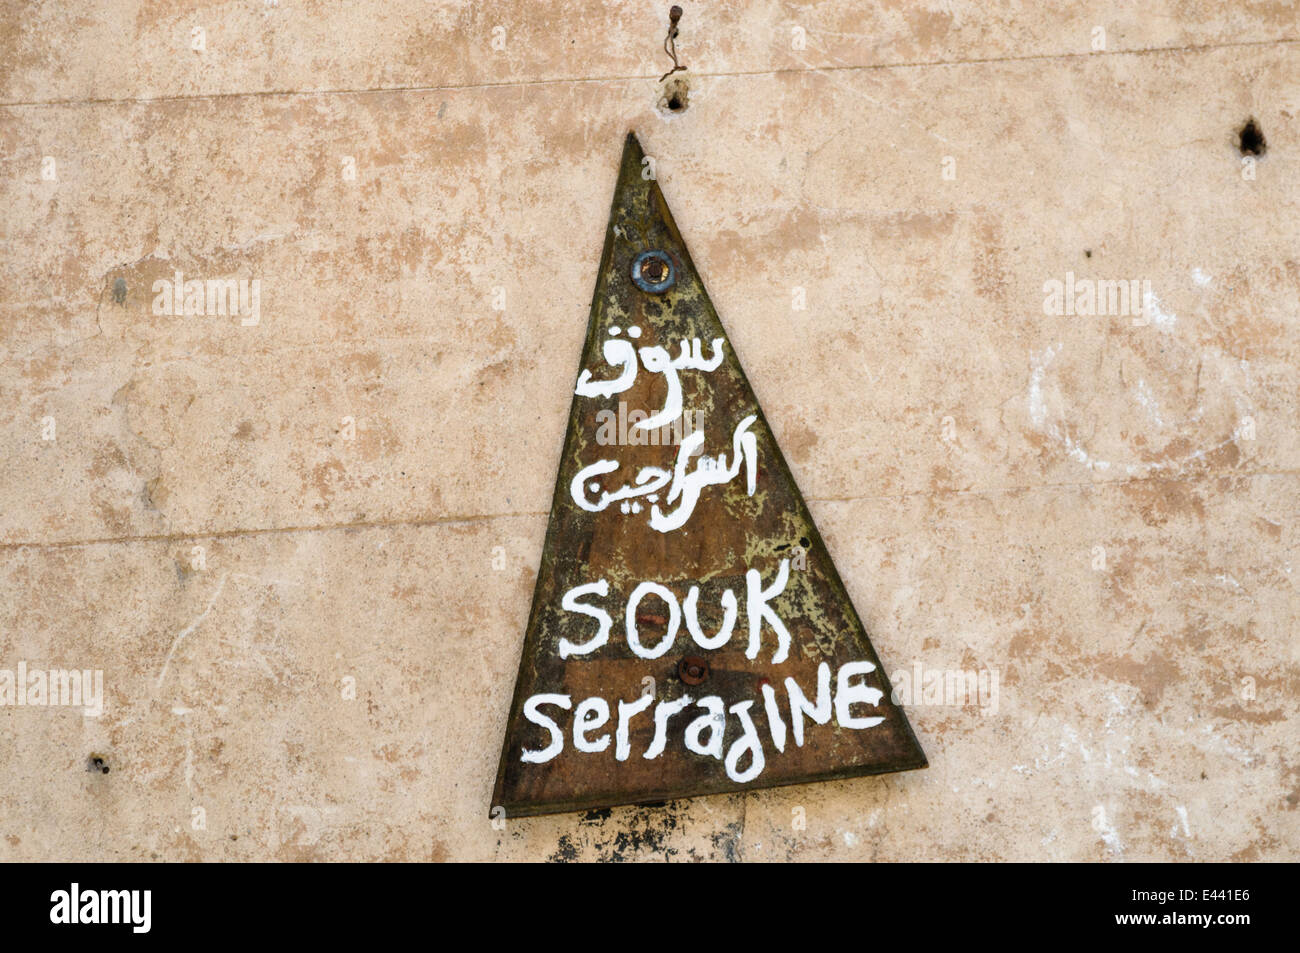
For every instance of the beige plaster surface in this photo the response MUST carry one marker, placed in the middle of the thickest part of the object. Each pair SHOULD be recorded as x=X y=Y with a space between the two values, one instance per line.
x=235 y=523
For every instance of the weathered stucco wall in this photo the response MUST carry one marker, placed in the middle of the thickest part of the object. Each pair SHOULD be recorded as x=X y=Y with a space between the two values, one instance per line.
x=302 y=550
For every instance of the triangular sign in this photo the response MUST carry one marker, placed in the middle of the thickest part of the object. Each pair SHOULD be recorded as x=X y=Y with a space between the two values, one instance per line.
x=689 y=634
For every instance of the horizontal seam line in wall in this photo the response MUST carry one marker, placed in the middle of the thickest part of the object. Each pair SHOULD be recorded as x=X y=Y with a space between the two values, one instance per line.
x=560 y=81
x=266 y=531
x=488 y=517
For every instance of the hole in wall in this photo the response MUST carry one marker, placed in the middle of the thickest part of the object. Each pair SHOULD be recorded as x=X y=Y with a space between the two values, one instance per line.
x=1251 y=139
x=674 y=94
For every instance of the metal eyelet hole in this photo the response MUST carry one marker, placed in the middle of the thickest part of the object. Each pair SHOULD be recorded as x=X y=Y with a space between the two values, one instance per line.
x=654 y=271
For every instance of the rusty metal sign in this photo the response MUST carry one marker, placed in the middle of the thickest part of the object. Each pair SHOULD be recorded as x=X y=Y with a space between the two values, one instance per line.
x=689 y=634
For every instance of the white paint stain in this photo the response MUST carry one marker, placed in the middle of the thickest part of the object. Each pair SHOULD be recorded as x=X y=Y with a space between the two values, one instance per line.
x=1110 y=837
x=1037 y=407
x=1161 y=319
x=1148 y=402
x=1078 y=453
x=1038 y=411
x=1236 y=375
x=189 y=629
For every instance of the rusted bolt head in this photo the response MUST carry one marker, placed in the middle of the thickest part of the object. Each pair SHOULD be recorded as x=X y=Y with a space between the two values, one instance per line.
x=693 y=670
x=654 y=271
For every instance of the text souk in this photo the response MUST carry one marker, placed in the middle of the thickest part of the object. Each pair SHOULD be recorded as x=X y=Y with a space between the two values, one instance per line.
x=701 y=722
